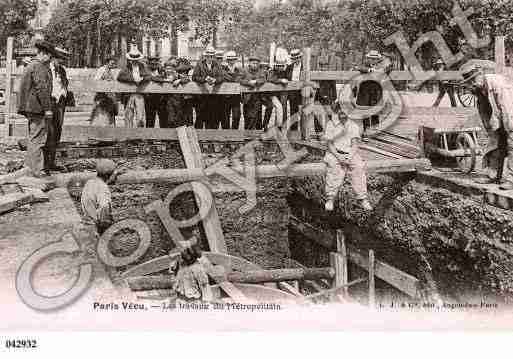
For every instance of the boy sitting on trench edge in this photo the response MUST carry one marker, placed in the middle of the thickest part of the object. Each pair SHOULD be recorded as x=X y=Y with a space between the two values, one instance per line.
x=343 y=135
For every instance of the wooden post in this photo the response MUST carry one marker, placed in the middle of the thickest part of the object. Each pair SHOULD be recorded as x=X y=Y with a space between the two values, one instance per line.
x=272 y=52
x=372 y=285
x=500 y=54
x=336 y=264
x=306 y=124
x=193 y=159
x=342 y=250
x=8 y=85
x=124 y=50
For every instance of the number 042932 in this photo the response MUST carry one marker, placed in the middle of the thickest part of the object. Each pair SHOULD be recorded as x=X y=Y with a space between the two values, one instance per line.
x=20 y=343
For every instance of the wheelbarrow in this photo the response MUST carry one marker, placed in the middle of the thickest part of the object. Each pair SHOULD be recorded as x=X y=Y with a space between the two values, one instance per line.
x=460 y=144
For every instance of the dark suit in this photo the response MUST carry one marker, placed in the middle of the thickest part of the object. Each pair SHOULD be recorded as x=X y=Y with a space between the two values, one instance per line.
x=55 y=126
x=34 y=99
x=253 y=101
x=294 y=97
x=232 y=103
x=208 y=108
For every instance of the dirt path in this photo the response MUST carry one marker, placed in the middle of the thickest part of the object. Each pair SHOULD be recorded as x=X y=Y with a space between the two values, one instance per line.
x=25 y=231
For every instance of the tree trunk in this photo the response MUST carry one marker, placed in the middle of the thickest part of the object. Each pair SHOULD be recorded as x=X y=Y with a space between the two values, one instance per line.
x=99 y=47
x=89 y=49
x=173 y=40
x=214 y=37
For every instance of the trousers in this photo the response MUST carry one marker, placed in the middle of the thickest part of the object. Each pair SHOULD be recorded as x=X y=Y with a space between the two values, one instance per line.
x=36 y=146
x=336 y=173
x=54 y=129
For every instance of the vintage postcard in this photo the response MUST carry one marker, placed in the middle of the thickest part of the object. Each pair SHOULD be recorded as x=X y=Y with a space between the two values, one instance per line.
x=255 y=165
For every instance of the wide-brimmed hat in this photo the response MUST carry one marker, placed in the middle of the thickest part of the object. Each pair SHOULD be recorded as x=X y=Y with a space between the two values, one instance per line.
x=470 y=73
x=134 y=54
x=439 y=62
x=231 y=55
x=295 y=54
x=209 y=51
x=219 y=54
x=45 y=46
x=374 y=54
x=254 y=58
x=61 y=53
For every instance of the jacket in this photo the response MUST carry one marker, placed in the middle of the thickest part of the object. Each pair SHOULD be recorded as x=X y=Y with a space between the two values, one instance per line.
x=232 y=76
x=35 y=93
x=247 y=75
x=125 y=75
x=201 y=71
x=290 y=69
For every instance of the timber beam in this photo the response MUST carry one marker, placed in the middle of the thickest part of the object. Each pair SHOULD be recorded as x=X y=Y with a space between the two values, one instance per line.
x=248 y=277
x=182 y=175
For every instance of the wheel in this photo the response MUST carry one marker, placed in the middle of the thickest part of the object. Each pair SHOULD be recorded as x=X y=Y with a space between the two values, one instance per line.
x=465 y=142
x=466 y=97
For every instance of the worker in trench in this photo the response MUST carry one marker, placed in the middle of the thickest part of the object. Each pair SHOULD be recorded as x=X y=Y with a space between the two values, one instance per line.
x=96 y=204
x=191 y=278
x=343 y=136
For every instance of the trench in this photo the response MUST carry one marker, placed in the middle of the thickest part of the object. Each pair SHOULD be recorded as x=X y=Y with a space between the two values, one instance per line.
x=443 y=238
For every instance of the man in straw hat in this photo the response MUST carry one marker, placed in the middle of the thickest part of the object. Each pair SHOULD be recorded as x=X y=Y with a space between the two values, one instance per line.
x=233 y=73
x=294 y=74
x=495 y=104
x=368 y=92
x=36 y=104
x=208 y=71
x=444 y=87
x=136 y=73
x=253 y=77
x=155 y=103
x=60 y=97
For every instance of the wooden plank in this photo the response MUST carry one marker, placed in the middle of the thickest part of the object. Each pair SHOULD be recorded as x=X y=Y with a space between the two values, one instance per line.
x=394 y=76
x=405 y=282
x=12 y=201
x=8 y=85
x=372 y=284
x=263 y=171
x=342 y=251
x=291 y=289
x=336 y=264
x=73 y=133
x=193 y=159
x=379 y=151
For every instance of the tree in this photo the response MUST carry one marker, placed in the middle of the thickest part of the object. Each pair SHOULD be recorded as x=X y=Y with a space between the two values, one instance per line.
x=15 y=17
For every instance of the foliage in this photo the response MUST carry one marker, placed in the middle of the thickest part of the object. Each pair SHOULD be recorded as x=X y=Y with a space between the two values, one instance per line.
x=15 y=17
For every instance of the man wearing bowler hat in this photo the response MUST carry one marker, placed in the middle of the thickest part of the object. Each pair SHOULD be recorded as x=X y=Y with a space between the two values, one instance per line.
x=36 y=104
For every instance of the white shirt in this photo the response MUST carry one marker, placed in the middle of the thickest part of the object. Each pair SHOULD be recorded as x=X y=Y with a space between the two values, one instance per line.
x=341 y=134
x=58 y=89
x=96 y=201
x=136 y=74
x=296 y=71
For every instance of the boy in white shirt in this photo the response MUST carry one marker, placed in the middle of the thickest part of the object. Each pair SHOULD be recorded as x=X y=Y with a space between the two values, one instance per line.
x=343 y=135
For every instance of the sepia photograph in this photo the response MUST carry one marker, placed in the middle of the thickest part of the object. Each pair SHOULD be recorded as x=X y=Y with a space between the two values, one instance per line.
x=255 y=165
